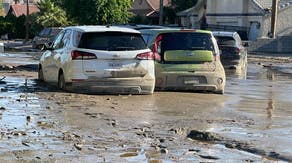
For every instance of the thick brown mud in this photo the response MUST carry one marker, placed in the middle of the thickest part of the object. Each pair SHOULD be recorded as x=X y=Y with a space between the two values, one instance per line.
x=250 y=123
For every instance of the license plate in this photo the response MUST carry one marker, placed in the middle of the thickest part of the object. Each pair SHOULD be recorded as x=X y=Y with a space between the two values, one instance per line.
x=115 y=64
x=191 y=82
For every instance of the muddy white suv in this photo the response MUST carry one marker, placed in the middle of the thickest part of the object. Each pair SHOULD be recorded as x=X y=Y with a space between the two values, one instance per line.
x=99 y=59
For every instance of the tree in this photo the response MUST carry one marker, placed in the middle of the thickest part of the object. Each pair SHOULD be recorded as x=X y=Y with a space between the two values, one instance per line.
x=177 y=6
x=85 y=12
x=181 y=5
x=113 y=11
x=51 y=15
x=1 y=8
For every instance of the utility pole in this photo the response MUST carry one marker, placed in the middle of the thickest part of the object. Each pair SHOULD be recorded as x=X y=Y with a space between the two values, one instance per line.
x=274 y=18
x=161 y=13
x=27 y=22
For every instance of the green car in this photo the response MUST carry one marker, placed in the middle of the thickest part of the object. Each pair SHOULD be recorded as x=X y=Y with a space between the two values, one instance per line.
x=187 y=60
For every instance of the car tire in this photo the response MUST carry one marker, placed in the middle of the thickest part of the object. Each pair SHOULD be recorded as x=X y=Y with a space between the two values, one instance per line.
x=219 y=92
x=61 y=82
x=41 y=74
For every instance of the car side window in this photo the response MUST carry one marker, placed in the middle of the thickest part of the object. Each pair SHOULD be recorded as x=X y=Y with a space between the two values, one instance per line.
x=58 y=41
x=66 y=38
x=76 y=38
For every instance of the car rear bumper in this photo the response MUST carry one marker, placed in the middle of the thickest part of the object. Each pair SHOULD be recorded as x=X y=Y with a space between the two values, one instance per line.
x=113 y=86
x=197 y=81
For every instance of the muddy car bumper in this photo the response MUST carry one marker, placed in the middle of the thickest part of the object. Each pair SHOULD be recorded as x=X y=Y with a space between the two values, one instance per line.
x=191 y=82
x=113 y=86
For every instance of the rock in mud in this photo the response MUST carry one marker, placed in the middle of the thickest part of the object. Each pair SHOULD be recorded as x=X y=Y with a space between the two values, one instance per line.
x=209 y=157
x=2 y=108
x=204 y=136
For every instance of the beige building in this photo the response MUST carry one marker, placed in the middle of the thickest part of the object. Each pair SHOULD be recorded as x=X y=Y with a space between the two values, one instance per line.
x=251 y=18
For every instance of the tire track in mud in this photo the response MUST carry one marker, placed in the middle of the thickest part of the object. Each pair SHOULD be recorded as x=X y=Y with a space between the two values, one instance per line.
x=214 y=138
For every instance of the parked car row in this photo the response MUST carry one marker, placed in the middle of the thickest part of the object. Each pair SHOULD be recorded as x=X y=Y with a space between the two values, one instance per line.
x=121 y=60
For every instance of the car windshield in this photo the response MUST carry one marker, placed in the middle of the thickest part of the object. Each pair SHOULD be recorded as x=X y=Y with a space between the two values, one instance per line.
x=186 y=41
x=225 y=41
x=112 y=41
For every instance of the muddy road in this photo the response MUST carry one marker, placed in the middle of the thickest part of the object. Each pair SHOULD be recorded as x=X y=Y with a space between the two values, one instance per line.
x=252 y=122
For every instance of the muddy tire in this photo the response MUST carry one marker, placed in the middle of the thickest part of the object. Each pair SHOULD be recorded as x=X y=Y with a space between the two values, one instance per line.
x=219 y=92
x=61 y=82
x=41 y=74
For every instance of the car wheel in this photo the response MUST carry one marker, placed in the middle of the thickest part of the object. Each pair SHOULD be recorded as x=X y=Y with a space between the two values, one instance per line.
x=41 y=74
x=219 y=92
x=61 y=82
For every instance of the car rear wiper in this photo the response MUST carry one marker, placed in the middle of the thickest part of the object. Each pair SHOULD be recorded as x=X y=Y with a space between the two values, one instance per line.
x=197 y=48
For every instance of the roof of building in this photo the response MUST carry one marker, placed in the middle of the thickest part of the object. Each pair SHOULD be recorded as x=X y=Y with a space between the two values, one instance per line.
x=154 y=6
x=267 y=4
x=20 y=9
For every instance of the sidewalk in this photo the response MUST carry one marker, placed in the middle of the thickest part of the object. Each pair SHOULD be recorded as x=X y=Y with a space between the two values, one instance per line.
x=18 y=45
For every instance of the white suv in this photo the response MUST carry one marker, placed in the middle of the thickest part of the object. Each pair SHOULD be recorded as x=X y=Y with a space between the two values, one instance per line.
x=99 y=59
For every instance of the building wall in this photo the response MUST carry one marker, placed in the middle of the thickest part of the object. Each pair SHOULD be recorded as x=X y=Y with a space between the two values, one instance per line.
x=284 y=20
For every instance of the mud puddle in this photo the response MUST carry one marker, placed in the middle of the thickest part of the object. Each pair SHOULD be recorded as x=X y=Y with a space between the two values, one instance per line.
x=251 y=122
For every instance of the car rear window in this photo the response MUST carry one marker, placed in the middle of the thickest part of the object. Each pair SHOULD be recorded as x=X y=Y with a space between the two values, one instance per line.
x=187 y=41
x=225 y=41
x=112 y=41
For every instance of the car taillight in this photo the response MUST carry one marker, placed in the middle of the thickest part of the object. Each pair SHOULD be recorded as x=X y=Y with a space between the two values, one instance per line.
x=156 y=44
x=145 y=56
x=80 y=55
x=238 y=50
x=216 y=57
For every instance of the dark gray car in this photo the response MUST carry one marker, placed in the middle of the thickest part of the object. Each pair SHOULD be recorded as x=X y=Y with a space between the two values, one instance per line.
x=47 y=35
x=234 y=54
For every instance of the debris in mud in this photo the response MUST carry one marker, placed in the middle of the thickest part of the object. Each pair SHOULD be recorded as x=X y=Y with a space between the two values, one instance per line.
x=178 y=131
x=28 y=118
x=131 y=154
x=209 y=157
x=45 y=124
x=164 y=151
x=1 y=80
x=26 y=143
x=204 y=136
x=155 y=161
x=229 y=143
x=78 y=146
x=7 y=67
x=19 y=133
